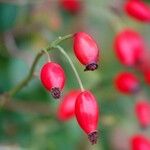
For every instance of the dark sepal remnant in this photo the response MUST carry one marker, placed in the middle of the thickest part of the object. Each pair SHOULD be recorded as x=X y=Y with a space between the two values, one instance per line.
x=91 y=67
x=93 y=137
x=56 y=92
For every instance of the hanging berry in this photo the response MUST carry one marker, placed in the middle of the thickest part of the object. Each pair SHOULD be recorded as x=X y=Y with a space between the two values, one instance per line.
x=144 y=63
x=86 y=50
x=72 y=6
x=129 y=46
x=147 y=76
x=66 y=109
x=86 y=111
x=139 y=142
x=127 y=83
x=142 y=110
x=53 y=78
x=138 y=10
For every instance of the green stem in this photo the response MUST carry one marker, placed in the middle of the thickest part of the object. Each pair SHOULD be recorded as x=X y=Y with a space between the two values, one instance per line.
x=58 y=41
x=48 y=56
x=72 y=65
x=25 y=81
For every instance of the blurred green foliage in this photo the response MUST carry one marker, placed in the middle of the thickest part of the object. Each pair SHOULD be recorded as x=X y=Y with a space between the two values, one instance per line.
x=8 y=16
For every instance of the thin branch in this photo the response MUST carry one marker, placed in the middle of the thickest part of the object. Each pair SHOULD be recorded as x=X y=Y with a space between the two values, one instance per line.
x=58 y=41
x=47 y=54
x=72 y=65
x=26 y=80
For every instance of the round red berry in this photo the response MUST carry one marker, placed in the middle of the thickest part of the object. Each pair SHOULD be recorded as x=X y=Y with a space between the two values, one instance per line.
x=66 y=109
x=142 y=110
x=138 y=10
x=129 y=46
x=86 y=111
x=127 y=83
x=53 y=78
x=86 y=50
x=72 y=6
x=139 y=142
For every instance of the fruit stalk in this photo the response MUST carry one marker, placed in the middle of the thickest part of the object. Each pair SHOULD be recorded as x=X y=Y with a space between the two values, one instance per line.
x=72 y=65
x=25 y=81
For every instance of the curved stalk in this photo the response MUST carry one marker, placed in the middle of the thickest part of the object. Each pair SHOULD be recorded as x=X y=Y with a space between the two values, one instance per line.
x=25 y=81
x=72 y=65
x=48 y=56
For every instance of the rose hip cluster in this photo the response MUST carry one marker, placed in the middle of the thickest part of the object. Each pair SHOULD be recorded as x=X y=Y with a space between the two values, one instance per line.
x=131 y=51
x=79 y=103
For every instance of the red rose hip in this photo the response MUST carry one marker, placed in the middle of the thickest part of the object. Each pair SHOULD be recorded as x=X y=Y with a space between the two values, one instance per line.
x=127 y=83
x=86 y=50
x=142 y=109
x=86 y=111
x=147 y=76
x=72 y=6
x=138 y=10
x=144 y=63
x=129 y=47
x=66 y=109
x=53 y=78
x=139 y=142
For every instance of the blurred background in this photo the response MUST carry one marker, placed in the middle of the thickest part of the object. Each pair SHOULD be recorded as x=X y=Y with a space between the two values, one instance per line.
x=29 y=120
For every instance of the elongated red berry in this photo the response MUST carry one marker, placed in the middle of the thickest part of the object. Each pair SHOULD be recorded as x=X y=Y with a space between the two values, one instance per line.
x=72 y=6
x=86 y=50
x=139 y=142
x=144 y=66
x=66 y=109
x=127 y=83
x=138 y=10
x=86 y=111
x=142 y=110
x=129 y=46
x=144 y=63
x=147 y=76
x=53 y=78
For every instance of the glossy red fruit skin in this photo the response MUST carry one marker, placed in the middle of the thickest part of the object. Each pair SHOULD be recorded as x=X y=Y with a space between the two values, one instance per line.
x=127 y=83
x=86 y=50
x=144 y=66
x=139 y=142
x=72 y=6
x=147 y=76
x=52 y=76
x=87 y=114
x=128 y=46
x=138 y=10
x=66 y=109
x=144 y=63
x=142 y=110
